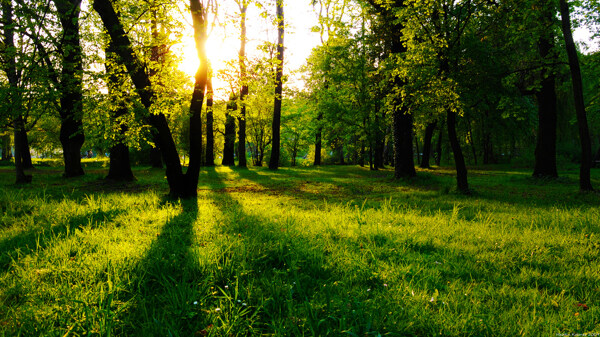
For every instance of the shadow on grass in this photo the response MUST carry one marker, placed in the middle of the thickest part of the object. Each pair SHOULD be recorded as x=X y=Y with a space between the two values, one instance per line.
x=37 y=238
x=166 y=282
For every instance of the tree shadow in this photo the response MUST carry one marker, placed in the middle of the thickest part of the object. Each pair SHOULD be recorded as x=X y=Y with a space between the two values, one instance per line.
x=167 y=281
x=35 y=239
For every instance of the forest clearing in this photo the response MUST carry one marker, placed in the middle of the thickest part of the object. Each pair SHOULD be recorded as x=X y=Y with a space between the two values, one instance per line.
x=300 y=251
x=299 y=168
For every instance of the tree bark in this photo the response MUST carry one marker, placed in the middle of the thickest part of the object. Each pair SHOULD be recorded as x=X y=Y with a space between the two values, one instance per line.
x=71 y=86
x=201 y=79
x=319 y=139
x=276 y=138
x=427 y=144
x=210 y=132
x=6 y=152
x=229 y=146
x=244 y=89
x=459 y=159
x=585 y=183
x=120 y=163
x=438 y=148
x=545 y=151
x=14 y=93
x=26 y=153
x=403 y=146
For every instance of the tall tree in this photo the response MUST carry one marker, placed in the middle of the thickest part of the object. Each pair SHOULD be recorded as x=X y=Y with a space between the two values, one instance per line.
x=120 y=163
x=9 y=64
x=585 y=183
x=71 y=86
x=229 y=146
x=243 y=6
x=180 y=185
x=391 y=28
x=210 y=132
x=545 y=151
x=276 y=138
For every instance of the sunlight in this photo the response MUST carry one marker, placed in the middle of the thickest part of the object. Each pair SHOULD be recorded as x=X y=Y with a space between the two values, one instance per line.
x=219 y=50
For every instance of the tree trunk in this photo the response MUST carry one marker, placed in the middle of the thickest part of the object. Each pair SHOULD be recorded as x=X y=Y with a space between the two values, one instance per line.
x=155 y=58
x=403 y=146
x=319 y=139
x=21 y=178
x=120 y=163
x=427 y=144
x=229 y=147
x=6 y=152
x=244 y=90
x=585 y=183
x=200 y=36
x=276 y=138
x=71 y=86
x=210 y=131
x=438 y=147
x=459 y=160
x=25 y=151
x=545 y=151
x=14 y=94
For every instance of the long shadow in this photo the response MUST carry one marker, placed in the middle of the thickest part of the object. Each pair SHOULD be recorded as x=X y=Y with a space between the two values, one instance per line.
x=281 y=252
x=166 y=282
x=37 y=238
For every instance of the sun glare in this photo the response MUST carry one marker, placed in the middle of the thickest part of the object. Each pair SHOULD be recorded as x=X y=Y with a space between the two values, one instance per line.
x=219 y=51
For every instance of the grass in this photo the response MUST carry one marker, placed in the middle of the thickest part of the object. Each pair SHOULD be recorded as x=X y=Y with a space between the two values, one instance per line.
x=338 y=251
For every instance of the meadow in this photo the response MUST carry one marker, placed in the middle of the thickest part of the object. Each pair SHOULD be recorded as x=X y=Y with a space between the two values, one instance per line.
x=327 y=251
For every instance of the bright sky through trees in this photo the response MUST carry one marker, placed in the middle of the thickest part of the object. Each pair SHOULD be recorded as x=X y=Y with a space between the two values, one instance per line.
x=223 y=43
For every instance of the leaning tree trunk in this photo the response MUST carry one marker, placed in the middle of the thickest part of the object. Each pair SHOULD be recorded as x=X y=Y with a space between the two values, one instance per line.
x=244 y=90
x=545 y=151
x=179 y=185
x=585 y=183
x=210 y=132
x=427 y=144
x=276 y=138
x=71 y=86
x=120 y=163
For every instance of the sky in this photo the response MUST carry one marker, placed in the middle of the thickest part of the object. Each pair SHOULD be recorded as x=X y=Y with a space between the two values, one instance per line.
x=223 y=43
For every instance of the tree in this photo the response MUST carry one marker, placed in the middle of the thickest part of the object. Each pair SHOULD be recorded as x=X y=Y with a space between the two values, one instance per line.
x=276 y=133
x=391 y=29
x=210 y=132
x=71 y=85
x=14 y=95
x=585 y=183
x=181 y=185
x=243 y=6
x=120 y=163
x=229 y=146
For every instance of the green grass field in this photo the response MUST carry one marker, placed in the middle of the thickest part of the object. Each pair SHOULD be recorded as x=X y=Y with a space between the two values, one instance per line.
x=338 y=251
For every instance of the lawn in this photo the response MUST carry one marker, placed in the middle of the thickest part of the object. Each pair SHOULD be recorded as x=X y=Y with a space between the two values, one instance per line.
x=338 y=251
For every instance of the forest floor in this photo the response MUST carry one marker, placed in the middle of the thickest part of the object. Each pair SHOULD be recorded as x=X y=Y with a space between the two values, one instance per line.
x=300 y=252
